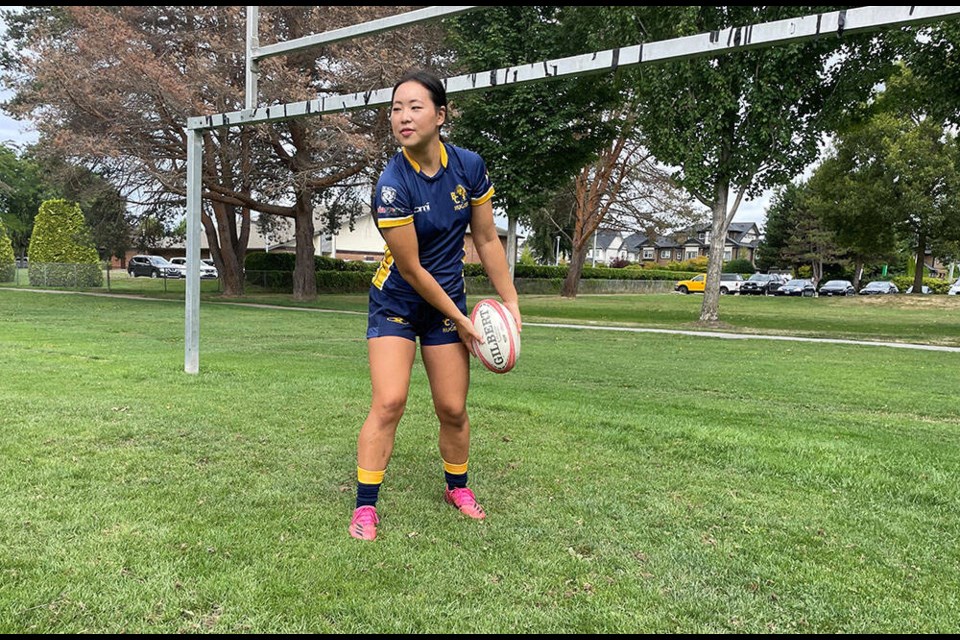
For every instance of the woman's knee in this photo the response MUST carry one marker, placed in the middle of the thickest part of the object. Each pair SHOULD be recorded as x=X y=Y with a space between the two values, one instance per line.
x=453 y=414
x=388 y=410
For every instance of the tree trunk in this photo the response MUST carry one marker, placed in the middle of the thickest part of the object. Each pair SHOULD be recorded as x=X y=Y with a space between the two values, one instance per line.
x=858 y=269
x=710 y=310
x=571 y=284
x=231 y=250
x=305 y=271
x=921 y=251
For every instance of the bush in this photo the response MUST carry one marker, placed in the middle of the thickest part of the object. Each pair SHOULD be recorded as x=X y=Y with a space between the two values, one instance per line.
x=343 y=281
x=61 y=250
x=276 y=261
x=740 y=265
x=936 y=284
x=8 y=261
x=619 y=263
x=696 y=265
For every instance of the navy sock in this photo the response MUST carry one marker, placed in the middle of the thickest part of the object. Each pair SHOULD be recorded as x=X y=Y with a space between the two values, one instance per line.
x=367 y=494
x=455 y=480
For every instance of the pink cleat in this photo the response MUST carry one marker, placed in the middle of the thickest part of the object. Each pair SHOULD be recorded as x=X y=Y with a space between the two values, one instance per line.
x=464 y=500
x=363 y=526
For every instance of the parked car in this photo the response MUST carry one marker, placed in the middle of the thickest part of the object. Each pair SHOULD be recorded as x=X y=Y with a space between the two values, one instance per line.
x=729 y=283
x=773 y=285
x=923 y=289
x=693 y=285
x=954 y=288
x=758 y=284
x=152 y=267
x=838 y=288
x=207 y=270
x=879 y=287
x=797 y=287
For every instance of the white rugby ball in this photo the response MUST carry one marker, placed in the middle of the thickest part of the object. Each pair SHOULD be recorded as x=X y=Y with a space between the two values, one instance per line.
x=501 y=339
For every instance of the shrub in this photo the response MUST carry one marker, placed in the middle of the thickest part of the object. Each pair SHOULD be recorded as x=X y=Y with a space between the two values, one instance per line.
x=619 y=263
x=8 y=261
x=936 y=284
x=61 y=250
x=740 y=265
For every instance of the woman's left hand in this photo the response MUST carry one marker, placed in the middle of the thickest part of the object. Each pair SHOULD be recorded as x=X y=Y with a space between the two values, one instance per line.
x=514 y=308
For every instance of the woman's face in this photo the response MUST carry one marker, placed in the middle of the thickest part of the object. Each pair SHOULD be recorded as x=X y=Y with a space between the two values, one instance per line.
x=415 y=119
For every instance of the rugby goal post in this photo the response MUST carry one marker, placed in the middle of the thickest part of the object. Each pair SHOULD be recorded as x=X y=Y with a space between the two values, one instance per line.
x=766 y=34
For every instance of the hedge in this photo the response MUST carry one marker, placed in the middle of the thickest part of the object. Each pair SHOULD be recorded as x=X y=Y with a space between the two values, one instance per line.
x=262 y=261
x=8 y=261
x=905 y=282
x=274 y=271
x=588 y=273
x=61 y=252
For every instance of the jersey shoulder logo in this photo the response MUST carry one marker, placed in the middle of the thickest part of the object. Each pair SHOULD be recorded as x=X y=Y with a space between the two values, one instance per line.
x=388 y=195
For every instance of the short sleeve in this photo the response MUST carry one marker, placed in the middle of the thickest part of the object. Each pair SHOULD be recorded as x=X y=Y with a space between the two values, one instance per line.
x=481 y=189
x=391 y=203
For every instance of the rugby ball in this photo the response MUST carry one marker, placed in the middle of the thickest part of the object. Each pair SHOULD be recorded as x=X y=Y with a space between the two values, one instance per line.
x=501 y=339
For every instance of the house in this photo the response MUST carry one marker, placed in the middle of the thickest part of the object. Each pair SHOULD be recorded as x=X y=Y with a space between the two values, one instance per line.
x=741 y=243
x=608 y=246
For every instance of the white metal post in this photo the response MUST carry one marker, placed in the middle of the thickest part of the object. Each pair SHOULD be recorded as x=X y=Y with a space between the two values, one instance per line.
x=253 y=70
x=192 y=303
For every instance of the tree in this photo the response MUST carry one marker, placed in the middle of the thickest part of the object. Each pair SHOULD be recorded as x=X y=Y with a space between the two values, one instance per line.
x=849 y=195
x=115 y=86
x=745 y=121
x=902 y=162
x=811 y=243
x=104 y=209
x=934 y=57
x=8 y=262
x=61 y=250
x=622 y=188
x=22 y=189
x=781 y=220
x=534 y=138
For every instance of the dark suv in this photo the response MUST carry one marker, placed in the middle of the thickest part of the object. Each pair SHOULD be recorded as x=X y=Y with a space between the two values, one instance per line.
x=152 y=267
x=758 y=284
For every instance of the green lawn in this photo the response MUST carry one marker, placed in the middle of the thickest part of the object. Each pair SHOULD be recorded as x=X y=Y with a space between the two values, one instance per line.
x=634 y=482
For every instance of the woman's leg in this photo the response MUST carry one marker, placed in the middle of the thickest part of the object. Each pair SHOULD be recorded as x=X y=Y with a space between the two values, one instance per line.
x=448 y=368
x=391 y=359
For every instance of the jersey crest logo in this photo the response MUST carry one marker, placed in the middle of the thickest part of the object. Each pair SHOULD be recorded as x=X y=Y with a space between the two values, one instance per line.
x=459 y=197
x=388 y=195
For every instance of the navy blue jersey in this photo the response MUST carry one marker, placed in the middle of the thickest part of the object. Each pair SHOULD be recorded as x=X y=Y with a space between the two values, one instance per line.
x=438 y=206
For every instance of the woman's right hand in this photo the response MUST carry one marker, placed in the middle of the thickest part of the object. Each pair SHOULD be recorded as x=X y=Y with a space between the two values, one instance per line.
x=467 y=332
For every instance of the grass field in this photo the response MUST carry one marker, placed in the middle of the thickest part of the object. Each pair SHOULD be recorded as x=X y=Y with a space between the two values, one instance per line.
x=634 y=482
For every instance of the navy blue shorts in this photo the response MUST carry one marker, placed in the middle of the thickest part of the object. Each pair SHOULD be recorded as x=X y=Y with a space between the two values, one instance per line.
x=389 y=316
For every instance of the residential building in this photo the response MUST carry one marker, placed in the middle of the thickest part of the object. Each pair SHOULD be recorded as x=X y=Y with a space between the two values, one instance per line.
x=741 y=242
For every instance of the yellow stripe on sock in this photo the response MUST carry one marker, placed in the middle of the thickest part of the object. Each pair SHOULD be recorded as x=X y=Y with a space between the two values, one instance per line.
x=455 y=469
x=370 y=477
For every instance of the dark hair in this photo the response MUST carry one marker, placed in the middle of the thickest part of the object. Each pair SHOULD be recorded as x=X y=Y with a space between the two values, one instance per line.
x=433 y=85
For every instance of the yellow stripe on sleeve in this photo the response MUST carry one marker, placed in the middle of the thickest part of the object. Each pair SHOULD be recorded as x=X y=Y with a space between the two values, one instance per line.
x=387 y=223
x=477 y=202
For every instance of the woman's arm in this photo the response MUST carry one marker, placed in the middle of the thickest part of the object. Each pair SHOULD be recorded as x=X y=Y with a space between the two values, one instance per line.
x=487 y=243
x=403 y=245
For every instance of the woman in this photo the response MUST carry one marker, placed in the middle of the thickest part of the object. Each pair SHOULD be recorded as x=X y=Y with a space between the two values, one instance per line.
x=427 y=195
